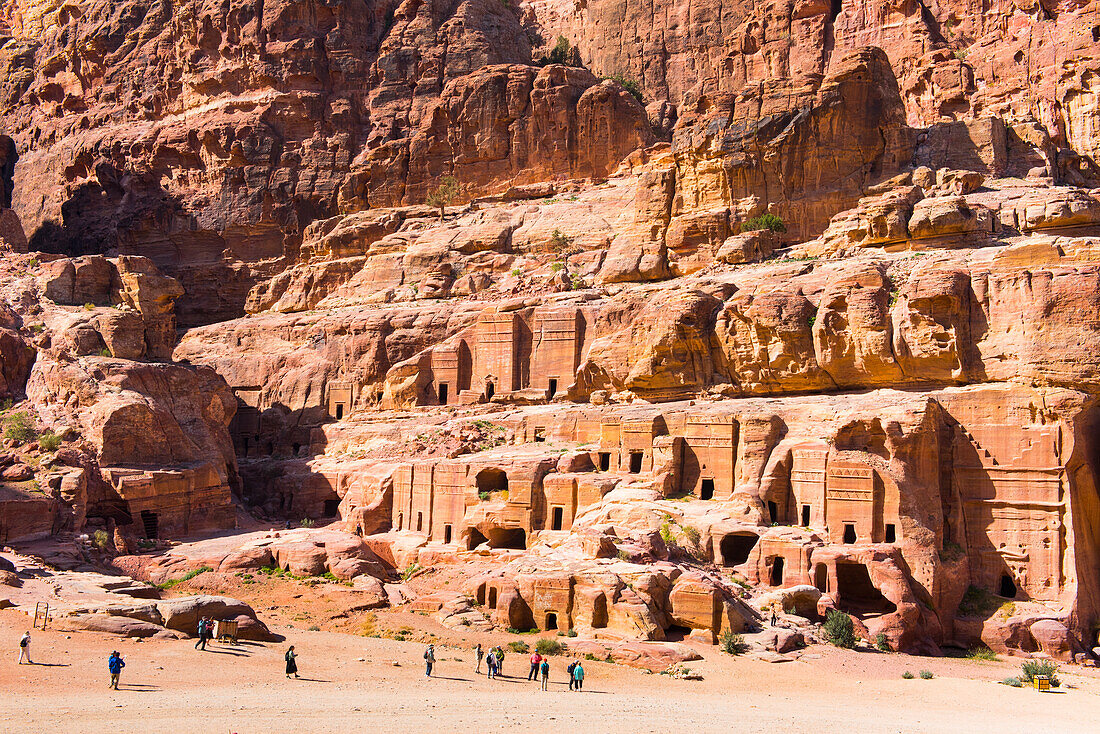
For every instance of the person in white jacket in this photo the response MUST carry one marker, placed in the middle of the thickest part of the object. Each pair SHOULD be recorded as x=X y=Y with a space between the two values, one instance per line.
x=25 y=648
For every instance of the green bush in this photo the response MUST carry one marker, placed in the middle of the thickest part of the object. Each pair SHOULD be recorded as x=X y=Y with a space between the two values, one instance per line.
x=1032 y=668
x=560 y=53
x=926 y=675
x=105 y=352
x=691 y=534
x=981 y=653
x=307 y=522
x=49 y=441
x=186 y=577
x=629 y=85
x=571 y=632
x=840 y=630
x=89 y=307
x=483 y=496
x=101 y=539
x=410 y=571
x=549 y=646
x=765 y=221
x=667 y=534
x=444 y=194
x=1014 y=682
x=518 y=646
x=907 y=675
x=733 y=643
x=882 y=643
x=19 y=427
x=590 y=656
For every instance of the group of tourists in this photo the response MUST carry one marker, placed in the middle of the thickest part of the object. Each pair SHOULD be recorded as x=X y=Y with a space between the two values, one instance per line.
x=539 y=672
x=494 y=660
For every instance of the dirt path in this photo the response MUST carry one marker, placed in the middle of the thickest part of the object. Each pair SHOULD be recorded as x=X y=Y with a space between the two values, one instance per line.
x=350 y=684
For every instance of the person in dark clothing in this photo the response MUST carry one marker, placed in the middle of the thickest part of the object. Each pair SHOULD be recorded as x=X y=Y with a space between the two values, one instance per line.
x=291 y=662
x=115 y=664
x=569 y=673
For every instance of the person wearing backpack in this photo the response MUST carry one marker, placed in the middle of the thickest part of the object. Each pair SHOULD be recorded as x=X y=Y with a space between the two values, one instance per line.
x=545 y=672
x=115 y=664
x=569 y=672
x=291 y=662
x=578 y=676
x=25 y=648
x=491 y=664
x=429 y=659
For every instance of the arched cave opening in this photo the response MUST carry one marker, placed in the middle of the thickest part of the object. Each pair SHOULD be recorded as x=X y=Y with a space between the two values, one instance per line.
x=492 y=480
x=856 y=594
x=735 y=548
x=1008 y=587
x=514 y=538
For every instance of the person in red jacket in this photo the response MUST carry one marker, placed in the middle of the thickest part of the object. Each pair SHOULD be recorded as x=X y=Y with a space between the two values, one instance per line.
x=535 y=660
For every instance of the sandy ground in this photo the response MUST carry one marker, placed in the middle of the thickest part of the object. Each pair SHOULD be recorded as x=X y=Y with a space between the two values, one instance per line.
x=350 y=684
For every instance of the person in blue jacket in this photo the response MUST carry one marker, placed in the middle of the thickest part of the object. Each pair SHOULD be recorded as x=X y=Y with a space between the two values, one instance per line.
x=115 y=664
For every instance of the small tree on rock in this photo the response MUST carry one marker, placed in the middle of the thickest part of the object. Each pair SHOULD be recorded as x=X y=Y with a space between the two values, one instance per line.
x=444 y=194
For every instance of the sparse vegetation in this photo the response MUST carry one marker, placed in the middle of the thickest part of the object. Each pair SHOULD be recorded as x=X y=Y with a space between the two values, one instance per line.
x=307 y=522
x=447 y=191
x=952 y=552
x=314 y=628
x=733 y=643
x=556 y=266
x=549 y=646
x=590 y=656
x=101 y=539
x=89 y=307
x=49 y=441
x=907 y=675
x=1033 y=668
x=622 y=555
x=559 y=240
x=839 y=630
x=186 y=577
x=516 y=272
x=629 y=85
x=691 y=534
x=483 y=496
x=559 y=54
x=1014 y=682
x=19 y=427
x=518 y=646
x=410 y=570
x=882 y=643
x=105 y=352
x=980 y=652
x=667 y=534
x=767 y=221
x=926 y=675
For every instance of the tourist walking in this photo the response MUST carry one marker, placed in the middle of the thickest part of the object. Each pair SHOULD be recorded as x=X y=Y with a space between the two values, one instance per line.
x=429 y=660
x=204 y=633
x=545 y=672
x=25 y=648
x=291 y=662
x=491 y=664
x=479 y=654
x=535 y=660
x=578 y=676
x=115 y=664
x=569 y=672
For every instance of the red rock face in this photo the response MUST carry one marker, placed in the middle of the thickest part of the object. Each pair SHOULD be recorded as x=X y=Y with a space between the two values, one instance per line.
x=208 y=137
